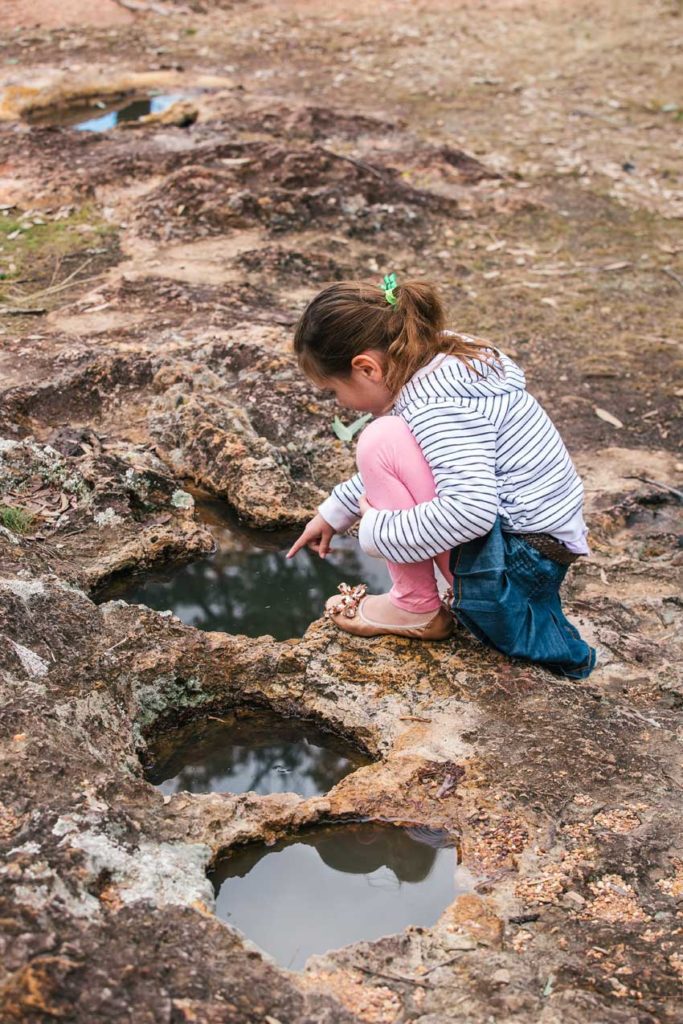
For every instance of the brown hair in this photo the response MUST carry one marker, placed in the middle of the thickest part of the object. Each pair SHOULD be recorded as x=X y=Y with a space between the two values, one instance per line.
x=348 y=317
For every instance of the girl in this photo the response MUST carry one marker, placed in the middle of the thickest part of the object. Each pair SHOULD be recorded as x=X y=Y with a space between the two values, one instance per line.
x=462 y=469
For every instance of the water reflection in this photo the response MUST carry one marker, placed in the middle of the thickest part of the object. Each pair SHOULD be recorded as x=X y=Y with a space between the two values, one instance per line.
x=132 y=111
x=332 y=886
x=247 y=585
x=249 y=751
x=101 y=115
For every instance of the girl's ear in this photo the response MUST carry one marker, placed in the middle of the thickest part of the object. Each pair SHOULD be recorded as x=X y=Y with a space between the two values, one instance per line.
x=370 y=364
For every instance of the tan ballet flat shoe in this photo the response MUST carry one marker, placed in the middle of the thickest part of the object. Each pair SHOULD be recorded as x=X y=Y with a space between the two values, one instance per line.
x=346 y=611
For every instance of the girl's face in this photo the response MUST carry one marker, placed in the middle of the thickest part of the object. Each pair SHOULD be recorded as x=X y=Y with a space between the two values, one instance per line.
x=364 y=389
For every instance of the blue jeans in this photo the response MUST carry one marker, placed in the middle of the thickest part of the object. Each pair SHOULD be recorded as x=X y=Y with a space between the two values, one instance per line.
x=507 y=594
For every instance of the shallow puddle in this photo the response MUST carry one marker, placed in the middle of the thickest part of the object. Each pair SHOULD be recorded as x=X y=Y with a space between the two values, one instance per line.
x=248 y=586
x=246 y=751
x=102 y=115
x=332 y=886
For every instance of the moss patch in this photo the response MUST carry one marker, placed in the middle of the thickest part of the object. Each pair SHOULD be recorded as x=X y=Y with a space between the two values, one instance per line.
x=42 y=253
x=19 y=520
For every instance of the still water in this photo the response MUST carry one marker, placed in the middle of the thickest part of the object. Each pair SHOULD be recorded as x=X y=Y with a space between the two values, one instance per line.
x=132 y=111
x=102 y=115
x=332 y=886
x=243 y=751
x=247 y=585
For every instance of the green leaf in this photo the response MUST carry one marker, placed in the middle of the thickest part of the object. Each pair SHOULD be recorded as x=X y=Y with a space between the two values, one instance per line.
x=359 y=423
x=345 y=433
x=342 y=432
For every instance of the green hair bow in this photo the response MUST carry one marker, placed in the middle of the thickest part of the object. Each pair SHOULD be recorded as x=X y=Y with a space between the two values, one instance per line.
x=387 y=286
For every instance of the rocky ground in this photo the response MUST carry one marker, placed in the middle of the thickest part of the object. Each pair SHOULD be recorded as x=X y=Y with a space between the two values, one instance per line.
x=524 y=157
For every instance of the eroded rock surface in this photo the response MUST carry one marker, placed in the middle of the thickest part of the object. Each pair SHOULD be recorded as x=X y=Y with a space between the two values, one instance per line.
x=146 y=349
x=564 y=798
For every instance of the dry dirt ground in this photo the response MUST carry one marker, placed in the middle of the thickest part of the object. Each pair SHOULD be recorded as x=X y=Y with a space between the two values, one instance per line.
x=527 y=157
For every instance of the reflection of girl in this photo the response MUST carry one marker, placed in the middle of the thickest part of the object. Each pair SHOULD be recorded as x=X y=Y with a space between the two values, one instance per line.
x=354 y=849
x=362 y=849
x=462 y=469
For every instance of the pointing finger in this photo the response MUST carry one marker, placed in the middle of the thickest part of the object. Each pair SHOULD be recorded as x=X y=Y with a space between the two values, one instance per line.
x=296 y=546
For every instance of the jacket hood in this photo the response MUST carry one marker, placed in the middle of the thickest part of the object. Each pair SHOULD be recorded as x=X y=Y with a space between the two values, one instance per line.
x=447 y=377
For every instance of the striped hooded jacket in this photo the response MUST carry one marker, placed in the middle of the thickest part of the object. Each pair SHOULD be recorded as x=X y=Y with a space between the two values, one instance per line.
x=493 y=451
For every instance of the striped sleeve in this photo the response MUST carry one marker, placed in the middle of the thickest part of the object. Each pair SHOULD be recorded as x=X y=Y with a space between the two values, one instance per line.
x=341 y=509
x=460 y=446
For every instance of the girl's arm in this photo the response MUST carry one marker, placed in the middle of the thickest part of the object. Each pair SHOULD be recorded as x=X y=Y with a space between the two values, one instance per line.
x=341 y=509
x=460 y=446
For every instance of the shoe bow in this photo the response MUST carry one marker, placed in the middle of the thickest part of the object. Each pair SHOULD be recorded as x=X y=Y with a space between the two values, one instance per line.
x=348 y=602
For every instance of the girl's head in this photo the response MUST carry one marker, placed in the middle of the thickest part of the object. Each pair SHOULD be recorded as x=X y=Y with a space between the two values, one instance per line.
x=352 y=340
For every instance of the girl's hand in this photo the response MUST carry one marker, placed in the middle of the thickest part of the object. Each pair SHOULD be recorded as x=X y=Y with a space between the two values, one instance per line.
x=316 y=535
x=364 y=505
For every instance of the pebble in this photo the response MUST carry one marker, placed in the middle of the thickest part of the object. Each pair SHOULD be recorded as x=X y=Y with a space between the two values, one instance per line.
x=574 y=898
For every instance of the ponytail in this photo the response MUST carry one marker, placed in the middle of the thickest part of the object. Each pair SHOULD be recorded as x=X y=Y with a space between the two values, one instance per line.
x=350 y=317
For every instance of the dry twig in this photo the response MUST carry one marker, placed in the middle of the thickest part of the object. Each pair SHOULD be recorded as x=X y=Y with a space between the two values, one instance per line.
x=51 y=289
x=656 y=483
x=352 y=160
x=22 y=311
x=672 y=274
x=390 y=977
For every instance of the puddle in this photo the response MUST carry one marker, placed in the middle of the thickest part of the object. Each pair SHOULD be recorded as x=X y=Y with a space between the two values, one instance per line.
x=332 y=886
x=101 y=116
x=248 y=586
x=244 y=751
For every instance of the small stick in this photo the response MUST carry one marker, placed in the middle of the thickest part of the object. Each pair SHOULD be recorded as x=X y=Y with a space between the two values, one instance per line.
x=673 y=781
x=21 y=311
x=135 y=5
x=58 y=263
x=446 y=963
x=656 y=483
x=390 y=977
x=113 y=648
x=674 y=276
x=72 y=533
x=58 y=287
x=413 y=718
x=632 y=713
x=352 y=160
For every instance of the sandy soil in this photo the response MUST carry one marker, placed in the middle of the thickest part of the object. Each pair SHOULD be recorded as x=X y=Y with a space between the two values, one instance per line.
x=60 y=13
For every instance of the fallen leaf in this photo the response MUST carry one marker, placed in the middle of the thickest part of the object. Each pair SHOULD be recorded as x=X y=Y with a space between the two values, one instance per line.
x=607 y=417
x=345 y=433
x=342 y=432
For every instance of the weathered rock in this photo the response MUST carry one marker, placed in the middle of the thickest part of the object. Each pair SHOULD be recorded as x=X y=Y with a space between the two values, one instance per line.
x=110 y=852
x=94 y=513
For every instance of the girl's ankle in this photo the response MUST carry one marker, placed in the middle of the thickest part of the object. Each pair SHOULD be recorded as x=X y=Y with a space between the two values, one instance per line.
x=423 y=610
